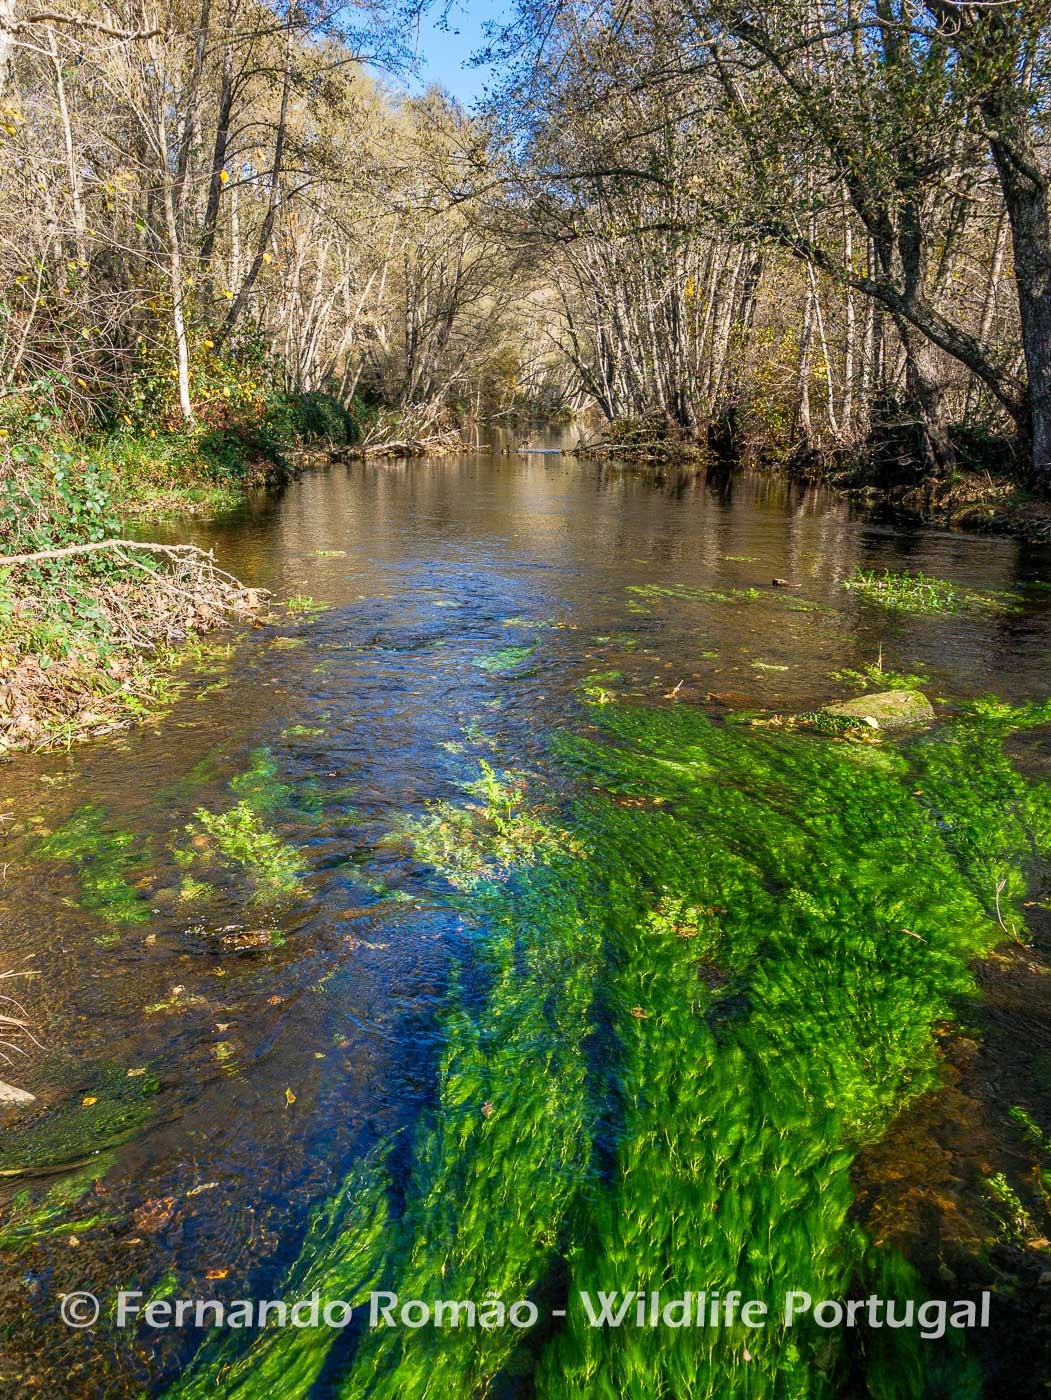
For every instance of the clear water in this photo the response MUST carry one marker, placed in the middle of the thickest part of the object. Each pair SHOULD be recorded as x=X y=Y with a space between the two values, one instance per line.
x=303 y=1034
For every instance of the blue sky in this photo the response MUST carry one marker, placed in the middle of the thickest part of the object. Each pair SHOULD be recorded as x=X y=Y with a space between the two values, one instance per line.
x=445 y=52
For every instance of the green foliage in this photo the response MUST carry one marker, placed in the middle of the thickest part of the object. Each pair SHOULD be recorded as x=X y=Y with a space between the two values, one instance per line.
x=51 y=492
x=313 y=417
x=1016 y=1224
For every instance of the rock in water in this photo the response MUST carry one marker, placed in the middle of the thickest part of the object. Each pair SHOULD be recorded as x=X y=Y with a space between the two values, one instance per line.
x=9 y=1094
x=890 y=709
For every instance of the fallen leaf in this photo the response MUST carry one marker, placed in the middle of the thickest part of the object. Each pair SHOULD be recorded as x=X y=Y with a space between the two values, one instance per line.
x=154 y=1214
x=290 y=1098
x=89 y=1100
x=216 y=1273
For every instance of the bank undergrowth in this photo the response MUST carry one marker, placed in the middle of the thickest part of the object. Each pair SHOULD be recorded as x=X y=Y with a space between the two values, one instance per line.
x=91 y=625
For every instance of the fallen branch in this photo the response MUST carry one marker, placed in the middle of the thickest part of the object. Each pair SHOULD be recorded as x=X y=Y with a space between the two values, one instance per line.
x=68 y=551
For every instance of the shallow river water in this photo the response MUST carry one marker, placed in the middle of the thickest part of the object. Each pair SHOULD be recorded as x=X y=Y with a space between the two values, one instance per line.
x=233 y=1019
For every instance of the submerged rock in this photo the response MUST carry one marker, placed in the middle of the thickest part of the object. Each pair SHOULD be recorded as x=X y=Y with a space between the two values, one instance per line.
x=10 y=1094
x=890 y=709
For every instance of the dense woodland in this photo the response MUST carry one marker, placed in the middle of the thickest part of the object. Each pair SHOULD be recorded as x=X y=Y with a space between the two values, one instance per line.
x=805 y=230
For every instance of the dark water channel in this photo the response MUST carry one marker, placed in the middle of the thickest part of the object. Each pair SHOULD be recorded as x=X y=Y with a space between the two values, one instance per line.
x=217 y=1065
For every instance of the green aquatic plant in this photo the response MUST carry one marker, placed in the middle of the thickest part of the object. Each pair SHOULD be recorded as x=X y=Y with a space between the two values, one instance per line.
x=503 y=659
x=106 y=859
x=874 y=677
x=475 y=845
x=30 y=1218
x=302 y=605
x=340 y=1258
x=238 y=838
x=258 y=785
x=102 y=1108
x=717 y=976
x=595 y=689
x=1016 y=1225
x=688 y=594
x=919 y=593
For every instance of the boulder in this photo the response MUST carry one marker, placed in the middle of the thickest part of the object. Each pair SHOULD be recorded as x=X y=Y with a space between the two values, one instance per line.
x=889 y=709
x=9 y=1094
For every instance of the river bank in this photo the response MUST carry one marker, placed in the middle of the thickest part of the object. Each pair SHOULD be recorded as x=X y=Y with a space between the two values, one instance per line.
x=982 y=495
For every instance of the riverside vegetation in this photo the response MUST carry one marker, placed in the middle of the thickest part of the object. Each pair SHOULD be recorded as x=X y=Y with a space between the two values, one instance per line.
x=777 y=231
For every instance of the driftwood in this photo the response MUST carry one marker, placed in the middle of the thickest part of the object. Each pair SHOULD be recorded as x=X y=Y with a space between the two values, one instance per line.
x=434 y=445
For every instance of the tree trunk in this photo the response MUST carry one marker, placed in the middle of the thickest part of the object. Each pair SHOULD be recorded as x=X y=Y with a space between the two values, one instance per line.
x=178 y=285
x=8 y=16
x=1026 y=197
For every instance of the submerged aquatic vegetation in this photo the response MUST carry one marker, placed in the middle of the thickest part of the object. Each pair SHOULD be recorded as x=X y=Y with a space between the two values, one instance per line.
x=239 y=838
x=874 y=677
x=688 y=594
x=105 y=858
x=694 y=1003
x=259 y=785
x=474 y=845
x=102 y=1107
x=918 y=593
x=29 y=1219
x=302 y=605
x=503 y=659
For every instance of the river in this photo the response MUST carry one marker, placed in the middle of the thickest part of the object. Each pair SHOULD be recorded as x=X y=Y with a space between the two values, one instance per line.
x=232 y=1021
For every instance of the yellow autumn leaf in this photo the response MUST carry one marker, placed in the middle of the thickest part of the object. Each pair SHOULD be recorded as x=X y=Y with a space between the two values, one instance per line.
x=290 y=1098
